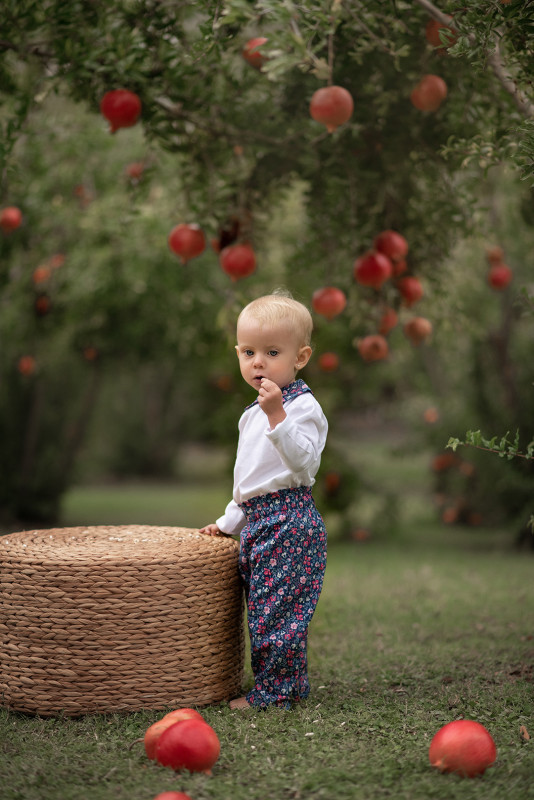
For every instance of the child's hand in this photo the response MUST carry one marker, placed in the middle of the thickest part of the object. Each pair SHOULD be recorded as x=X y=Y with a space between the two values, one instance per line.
x=270 y=402
x=211 y=530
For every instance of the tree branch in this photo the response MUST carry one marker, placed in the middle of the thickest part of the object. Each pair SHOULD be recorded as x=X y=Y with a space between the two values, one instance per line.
x=495 y=60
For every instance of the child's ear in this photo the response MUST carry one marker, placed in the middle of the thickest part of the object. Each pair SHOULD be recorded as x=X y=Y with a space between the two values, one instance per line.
x=237 y=350
x=303 y=356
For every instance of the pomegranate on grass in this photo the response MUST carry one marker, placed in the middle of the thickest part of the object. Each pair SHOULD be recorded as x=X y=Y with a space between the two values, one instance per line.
x=190 y=744
x=464 y=747
x=153 y=733
x=172 y=796
x=332 y=106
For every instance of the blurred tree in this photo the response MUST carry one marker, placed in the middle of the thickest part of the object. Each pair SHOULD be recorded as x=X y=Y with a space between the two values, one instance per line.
x=226 y=145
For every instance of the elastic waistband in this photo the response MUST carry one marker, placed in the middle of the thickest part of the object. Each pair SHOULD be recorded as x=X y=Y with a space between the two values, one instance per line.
x=285 y=500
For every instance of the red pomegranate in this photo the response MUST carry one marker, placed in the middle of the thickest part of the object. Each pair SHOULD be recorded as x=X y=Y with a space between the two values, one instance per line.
x=10 y=219
x=171 y=795
x=121 y=108
x=252 y=54
x=429 y=93
x=464 y=746
x=388 y=321
x=238 y=261
x=410 y=290
x=329 y=301
x=432 y=34
x=332 y=106
x=499 y=276
x=373 y=347
x=392 y=245
x=154 y=731
x=135 y=170
x=372 y=269
x=328 y=362
x=495 y=254
x=191 y=744
x=26 y=365
x=418 y=329
x=187 y=241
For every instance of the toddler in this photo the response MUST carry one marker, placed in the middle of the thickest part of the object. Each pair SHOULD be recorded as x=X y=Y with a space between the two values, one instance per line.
x=282 y=555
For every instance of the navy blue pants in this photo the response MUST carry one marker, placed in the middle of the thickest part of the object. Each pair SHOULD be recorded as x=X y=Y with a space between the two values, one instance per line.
x=282 y=562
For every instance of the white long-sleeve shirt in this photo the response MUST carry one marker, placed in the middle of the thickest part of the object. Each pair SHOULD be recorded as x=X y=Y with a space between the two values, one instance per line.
x=269 y=460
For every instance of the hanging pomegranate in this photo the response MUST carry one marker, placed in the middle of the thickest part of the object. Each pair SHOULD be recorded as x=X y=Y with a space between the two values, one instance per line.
x=373 y=347
x=238 y=261
x=464 y=747
x=121 y=108
x=252 y=54
x=499 y=276
x=410 y=290
x=328 y=362
x=26 y=365
x=388 y=321
x=187 y=241
x=10 y=219
x=372 y=269
x=332 y=106
x=432 y=34
x=329 y=301
x=392 y=245
x=429 y=93
x=418 y=329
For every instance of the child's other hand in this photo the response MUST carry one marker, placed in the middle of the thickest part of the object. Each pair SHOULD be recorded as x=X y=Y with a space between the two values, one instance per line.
x=270 y=402
x=212 y=530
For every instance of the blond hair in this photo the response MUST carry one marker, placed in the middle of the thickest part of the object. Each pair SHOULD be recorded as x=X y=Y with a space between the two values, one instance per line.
x=278 y=307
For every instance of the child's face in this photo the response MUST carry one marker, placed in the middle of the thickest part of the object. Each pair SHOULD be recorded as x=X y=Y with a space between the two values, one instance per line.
x=272 y=352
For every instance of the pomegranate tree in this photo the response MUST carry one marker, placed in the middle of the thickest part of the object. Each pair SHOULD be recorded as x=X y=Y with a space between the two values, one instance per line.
x=429 y=93
x=464 y=747
x=372 y=269
x=332 y=106
x=121 y=108
x=190 y=744
x=329 y=301
x=10 y=219
x=238 y=261
x=187 y=241
x=252 y=53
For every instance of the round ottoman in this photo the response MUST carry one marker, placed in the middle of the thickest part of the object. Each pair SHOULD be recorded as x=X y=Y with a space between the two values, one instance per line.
x=120 y=618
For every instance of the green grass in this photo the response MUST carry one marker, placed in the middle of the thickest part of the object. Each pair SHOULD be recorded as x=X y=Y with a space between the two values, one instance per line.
x=433 y=625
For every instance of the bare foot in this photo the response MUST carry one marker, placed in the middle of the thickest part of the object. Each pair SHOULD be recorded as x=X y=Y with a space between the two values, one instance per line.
x=240 y=702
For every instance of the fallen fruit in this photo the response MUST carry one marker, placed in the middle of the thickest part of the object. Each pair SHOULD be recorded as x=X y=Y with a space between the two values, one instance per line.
x=153 y=733
x=172 y=796
x=121 y=108
x=190 y=744
x=332 y=106
x=182 y=713
x=464 y=747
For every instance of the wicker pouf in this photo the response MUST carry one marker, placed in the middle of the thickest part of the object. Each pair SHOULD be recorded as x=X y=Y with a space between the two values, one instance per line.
x=118 y=618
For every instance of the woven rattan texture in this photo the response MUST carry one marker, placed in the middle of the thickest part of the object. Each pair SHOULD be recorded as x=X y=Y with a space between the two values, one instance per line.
x=118 y=618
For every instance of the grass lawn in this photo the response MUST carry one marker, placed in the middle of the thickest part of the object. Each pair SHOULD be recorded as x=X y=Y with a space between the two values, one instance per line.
x=434 y=625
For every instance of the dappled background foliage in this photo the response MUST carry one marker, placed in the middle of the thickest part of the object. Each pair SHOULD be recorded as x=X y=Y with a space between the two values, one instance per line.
x=129 y=352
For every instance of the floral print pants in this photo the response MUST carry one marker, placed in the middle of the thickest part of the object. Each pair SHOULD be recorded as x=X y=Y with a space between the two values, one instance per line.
x=282 y=562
